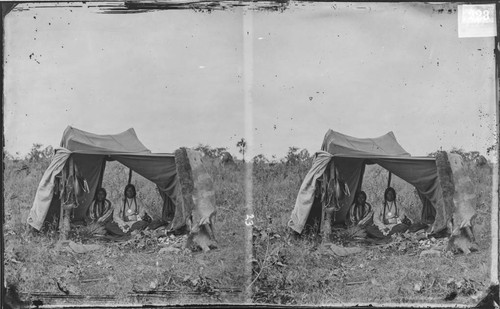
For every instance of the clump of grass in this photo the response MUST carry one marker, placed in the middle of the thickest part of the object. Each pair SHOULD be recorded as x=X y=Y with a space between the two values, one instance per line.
x=21 y=179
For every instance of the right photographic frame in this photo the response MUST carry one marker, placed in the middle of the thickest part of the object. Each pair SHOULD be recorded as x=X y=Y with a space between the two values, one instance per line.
x=373 y=129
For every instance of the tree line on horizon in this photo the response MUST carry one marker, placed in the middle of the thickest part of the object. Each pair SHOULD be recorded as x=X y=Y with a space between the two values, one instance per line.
x=294 y=155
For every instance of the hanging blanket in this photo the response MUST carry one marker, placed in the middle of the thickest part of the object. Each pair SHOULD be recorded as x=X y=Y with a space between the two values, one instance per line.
x=305 y=198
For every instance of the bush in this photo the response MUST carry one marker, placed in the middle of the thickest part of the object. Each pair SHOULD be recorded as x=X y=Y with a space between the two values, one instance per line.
x=209 y=151
x=21 y=180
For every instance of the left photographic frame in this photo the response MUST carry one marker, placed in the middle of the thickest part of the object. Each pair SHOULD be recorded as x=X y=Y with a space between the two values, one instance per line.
x=89 y=72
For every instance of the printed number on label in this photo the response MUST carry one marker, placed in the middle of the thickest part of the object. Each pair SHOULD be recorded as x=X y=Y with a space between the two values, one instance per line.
x=477 y=16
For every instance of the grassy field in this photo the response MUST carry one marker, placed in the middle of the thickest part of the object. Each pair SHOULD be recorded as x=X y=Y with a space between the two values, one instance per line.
x=127 y=272
x=291 y=270
x=286 y=269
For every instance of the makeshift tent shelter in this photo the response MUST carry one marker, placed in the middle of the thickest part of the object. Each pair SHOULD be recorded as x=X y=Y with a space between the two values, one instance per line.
x=81 y=160
x=343 y=159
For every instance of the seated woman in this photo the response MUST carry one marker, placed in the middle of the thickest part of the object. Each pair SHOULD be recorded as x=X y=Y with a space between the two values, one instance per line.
x=388 y=219
x=360 y=213
x=100 y=212
x=130 y=215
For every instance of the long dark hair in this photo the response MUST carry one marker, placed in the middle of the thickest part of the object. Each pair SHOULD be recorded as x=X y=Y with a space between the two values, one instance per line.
x=390 y=189
x=131 y=186
x=92 y=212
x=357 y=212
x=358 y=193
x=103 y=191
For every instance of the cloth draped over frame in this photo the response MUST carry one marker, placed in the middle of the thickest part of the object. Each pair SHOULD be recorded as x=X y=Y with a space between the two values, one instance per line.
x=90 y=152
x=351 y=154
x=305 y=197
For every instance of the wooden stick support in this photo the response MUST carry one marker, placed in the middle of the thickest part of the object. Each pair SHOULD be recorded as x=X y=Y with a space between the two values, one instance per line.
x=64 y=219
x=327 y=224
x=328 y=210
x=389 y=180
x=101 y=175
x=64 y=224
x=130 y=176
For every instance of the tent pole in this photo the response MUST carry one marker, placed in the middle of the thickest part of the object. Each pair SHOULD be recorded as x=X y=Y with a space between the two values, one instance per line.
x=360 y=181
x=101 y=174
x=129 y=176
x=326 y=213
x=389 y=180
x=69 y=196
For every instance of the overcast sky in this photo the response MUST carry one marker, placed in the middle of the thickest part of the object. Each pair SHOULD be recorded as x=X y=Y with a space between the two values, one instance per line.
x=177 y=77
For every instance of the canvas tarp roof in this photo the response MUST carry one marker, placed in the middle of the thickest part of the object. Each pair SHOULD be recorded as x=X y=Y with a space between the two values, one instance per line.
x=90 y=152
x=350 y=154
x=339 y=144
x=79 y=141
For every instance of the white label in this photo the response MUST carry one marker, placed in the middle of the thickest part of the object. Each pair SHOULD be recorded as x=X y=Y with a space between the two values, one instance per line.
x=476 y=21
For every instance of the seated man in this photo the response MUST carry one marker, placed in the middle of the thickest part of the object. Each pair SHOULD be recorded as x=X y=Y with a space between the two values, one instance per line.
x=99 y=213
x=388 y=220
x=129 y=216
x=360 y=213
